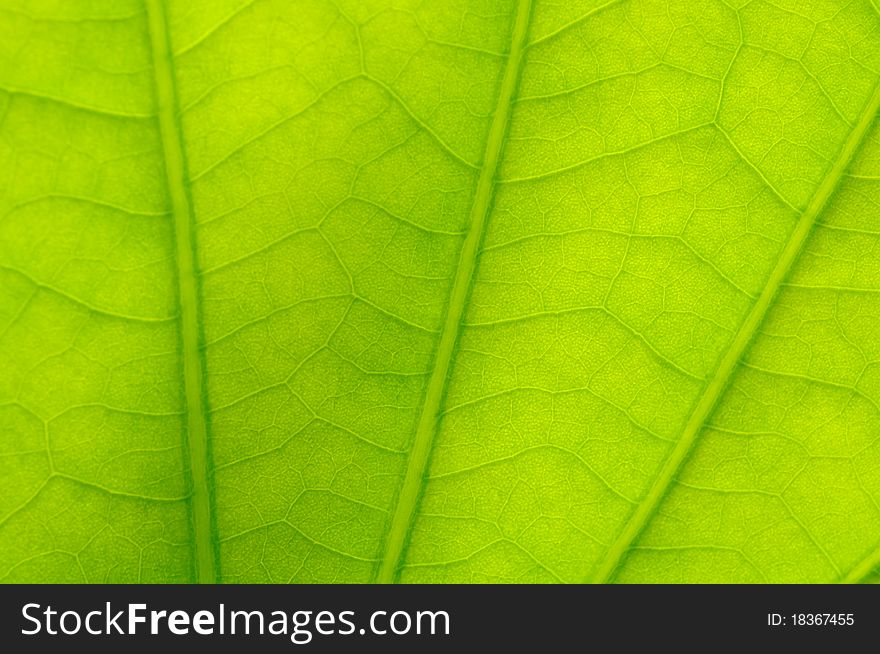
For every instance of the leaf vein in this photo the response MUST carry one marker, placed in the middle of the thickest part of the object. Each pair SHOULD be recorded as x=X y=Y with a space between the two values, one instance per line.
x=728 y=363
x=413 y=482
x=205 y=556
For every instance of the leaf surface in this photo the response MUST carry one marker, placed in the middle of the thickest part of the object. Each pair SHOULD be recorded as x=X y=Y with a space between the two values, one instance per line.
x=461 y=291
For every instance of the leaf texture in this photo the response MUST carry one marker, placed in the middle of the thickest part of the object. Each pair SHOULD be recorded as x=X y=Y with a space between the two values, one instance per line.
x=460 y=291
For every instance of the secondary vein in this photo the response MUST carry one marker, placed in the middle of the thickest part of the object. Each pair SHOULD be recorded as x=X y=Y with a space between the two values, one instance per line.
x=193 y=368
x=747 y=331
x=860 y=572
x=404 y=512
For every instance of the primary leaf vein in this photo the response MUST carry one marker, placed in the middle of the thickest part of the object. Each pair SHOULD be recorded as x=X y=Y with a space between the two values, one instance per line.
x=413 y=482
x=729 y=362
x=205 y=557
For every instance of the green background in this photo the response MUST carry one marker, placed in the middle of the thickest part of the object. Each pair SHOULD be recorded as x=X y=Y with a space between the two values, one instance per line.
x=439 y=291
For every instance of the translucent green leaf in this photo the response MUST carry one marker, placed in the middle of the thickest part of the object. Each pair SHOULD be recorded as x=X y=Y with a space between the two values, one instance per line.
x=453 y=291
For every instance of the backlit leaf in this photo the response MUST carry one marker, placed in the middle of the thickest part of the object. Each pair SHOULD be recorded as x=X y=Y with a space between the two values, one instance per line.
x=452 y=291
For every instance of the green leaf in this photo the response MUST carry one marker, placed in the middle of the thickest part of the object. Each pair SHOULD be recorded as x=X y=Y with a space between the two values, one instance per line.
x=459 y=291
